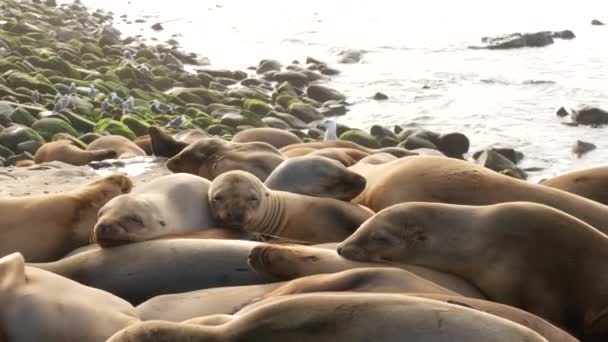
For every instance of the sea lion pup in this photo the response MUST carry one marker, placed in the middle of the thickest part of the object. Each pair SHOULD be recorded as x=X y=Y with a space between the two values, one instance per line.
x=171 y=204
x=556 y=256
x=65 y=151
x=589 y=183
x=46 y=227
x=210 y=158
x=229 y=300
x=449 y=180
x=240 y=200
x=165 y=145
x=316 y=176
x=140 y=271
x=339 y=317
x=273 y=136
x=317 y=145
x=41 y=306
x=123 y=147
x=282 y=262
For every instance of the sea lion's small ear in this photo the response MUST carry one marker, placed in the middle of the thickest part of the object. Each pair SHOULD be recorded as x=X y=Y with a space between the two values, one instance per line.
x=12 y=271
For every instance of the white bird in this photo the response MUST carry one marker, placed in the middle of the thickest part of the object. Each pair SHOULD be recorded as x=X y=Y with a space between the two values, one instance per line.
x=160 y=108
x=93 y=92
x=35 y=96
x=73 y=89
x=60 y=104
x=116 y=100
x=129 y=105
x=105 y=105
x=331 y=130
x=177 y=122
x=127 y=55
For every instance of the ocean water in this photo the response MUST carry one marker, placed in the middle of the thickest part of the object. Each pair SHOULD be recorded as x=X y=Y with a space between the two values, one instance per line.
x=505 y=98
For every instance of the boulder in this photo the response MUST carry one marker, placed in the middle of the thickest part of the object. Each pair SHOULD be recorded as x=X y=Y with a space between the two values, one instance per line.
x=513 y=155
x=13 y=135
x=305 y=112
x=322 y=93
x=295 y=78
x=380 y=96
x=590 y=116
x=495 y=161
x=360 y=137
x=582 y=147
x=350 y=56
x=518 y=40
x=114 y=127
x=596 y=22
x=268 y=65
x=48 y=127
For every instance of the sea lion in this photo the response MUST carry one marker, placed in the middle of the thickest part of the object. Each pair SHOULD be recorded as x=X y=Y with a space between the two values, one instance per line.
x=273 y=136
x=140 y=271
x=240 y=200
x=346 y=156
x=46 y=227
x=171 y=204
x=555 y=256
x=316 y=176
x=183 y=306
x=145 y=143
x=211 y=157
x=65 y=151
x=449 y=180
x=589 y=183
x=317 y=145
x=123 y=147
x=377 y=158
x=41 y=306
x=282 y=262
x=339 y=317
x=165 y=145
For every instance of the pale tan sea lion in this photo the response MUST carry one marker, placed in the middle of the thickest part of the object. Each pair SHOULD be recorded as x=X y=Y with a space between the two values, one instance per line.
x=40 y=306
x=211 y=157
x=276 y=137
x=589 y=183
x=123 y=147
x=171 y=204
x=140 y=271
x=46 y=227
x=377 y=158
x=240 y=200
x=65 y=151
x=523 y=254
x=449 y=180
x=165 y=145
x=338 y=317
x=346 y=156
x=316 y=176
x=183 y=306
x=283 y=262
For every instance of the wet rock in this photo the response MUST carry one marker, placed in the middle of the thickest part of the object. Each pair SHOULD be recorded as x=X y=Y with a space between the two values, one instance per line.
x=453 y=145
x=5 y=152
x=19 y=157
x=22 y=117
x=518 y=40
x=136 y=124
x=275 y=123
x=48 y=127
x=109 y=36
x=311 y=60
x=295 y=78
x=13 y=135
x=565 y=34
x=380 y=96
x=562 y=112
x=114 y=127
x=513 y=155
x=360 y=137
x=89 y=137
x=28 y=146
x=415 y=142
x=322 y=93
x=291 y=120
x=257 y=106
x=596 y=22
x=590 y=116
x=350 y=56
x=268 y=65
x=495 y=161
x=380 y=133
x=157 y=27
x=333 y=108
x=325 y=70
x=51 y=3
x=581 y=148
x=305 y=112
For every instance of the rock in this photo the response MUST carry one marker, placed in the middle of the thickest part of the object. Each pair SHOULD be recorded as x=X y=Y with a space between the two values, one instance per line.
x=257 y=106
x=136 y=124
x=590 y=116
x=360 y=137
x=13 y=135
x=380 y=96
x=89 y=137
x=582 y=147
x=18 y=79
x=561 y=112
x=268 y=65
x=80 y=123
x=495 y=161
x=291 y=120
x=325 y=70
x=157 y=27
x=29 y=146
x=350 y=56
x=295 y=78
x=311 y=60
x=518 y=40
x=453 y=145
x=305 y=112
x=51 y=3
x=275 y=123
x=322 y=93
x=380 y=133
x=248 y=93
x=22 y=117
x=109 y=36
x=565 y=34
x=48 y=127
x=19 y=157
x=114 y=127
x=5 y=152
x=333 y=108
x=513 y=155
x=414 y=142
x=596 y=22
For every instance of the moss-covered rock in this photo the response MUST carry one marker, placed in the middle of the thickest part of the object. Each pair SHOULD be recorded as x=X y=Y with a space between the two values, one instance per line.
x=13 y=135
x=305 y=112
x=322 y=93
x=380 y=132
x=257 y=106
x=219 y=130
x=48 y=127
x=79 y=122
x=30 y=146
x=248 y=93
x=285 y=100
x=195 y=95
x=89 y=137
x=291 y=120
x=360 y=137
x=76 y=141
x=55 y=63
x=114 y=127
x=17 y=79
x=22 y=117
x=136 y=123
x=275 y=123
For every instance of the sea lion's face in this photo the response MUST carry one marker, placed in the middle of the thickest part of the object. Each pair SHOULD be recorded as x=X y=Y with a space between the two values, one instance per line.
x=317 y=176
x=126 y=219
x=198 y=158
x=393 y=235
x=236 y=199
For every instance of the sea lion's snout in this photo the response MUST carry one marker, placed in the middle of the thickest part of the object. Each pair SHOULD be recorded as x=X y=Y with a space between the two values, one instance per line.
x=349 y=251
